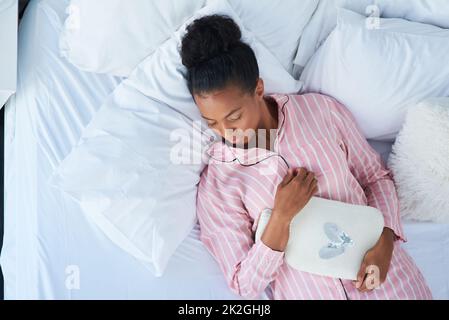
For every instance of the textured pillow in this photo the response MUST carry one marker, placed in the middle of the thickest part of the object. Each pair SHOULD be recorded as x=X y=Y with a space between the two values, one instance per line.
x=420 y=162
x=135 y=169
x=113 y=36
x=378 y=73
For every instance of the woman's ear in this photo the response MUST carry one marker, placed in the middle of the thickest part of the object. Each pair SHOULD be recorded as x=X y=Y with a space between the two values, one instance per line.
x=260 y=88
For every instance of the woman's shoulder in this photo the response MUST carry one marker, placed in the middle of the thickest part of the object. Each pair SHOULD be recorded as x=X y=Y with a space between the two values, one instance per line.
x=307 y=105
x=305 y=100
x=316 y=100
x=331 y=110
x=299 y=95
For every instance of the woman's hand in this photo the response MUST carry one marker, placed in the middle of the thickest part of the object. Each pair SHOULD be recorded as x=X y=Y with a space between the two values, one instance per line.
x=375 y=265
x=294 y=192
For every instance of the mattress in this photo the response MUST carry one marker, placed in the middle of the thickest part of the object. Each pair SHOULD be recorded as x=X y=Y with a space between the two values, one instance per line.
x=51 y=249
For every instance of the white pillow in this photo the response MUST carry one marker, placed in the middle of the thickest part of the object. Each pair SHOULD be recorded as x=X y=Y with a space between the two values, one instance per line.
x=315 y=33
x=162 y=76
x=324 y=20
x=278 y=24
x=122 y=175
x=113 y=36
x=435 y=12
x=125 y=171
x=420 y=162
x=379 y=73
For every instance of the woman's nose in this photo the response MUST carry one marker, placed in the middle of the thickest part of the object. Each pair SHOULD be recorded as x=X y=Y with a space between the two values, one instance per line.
x=222 y=130
x=230 y=133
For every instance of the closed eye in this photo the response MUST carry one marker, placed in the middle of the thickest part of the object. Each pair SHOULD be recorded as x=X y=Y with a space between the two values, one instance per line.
x=235 y=117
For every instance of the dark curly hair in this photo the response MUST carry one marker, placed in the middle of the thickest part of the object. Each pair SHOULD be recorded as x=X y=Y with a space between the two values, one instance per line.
x=215 y=56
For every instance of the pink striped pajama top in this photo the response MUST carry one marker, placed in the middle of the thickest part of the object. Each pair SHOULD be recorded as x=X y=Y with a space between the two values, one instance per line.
x=318 y=133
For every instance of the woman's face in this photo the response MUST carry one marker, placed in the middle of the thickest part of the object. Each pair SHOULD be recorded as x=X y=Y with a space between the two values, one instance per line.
x=232 y=113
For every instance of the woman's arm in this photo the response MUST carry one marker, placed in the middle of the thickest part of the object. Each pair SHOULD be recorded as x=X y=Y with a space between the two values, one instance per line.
x=377 y=182
x=367 y=167
x=226 y=230
x=292 y=194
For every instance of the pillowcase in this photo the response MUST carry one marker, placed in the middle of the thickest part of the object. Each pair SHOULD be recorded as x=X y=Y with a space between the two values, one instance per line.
x=379 y=73
x=135 y=169
x=420 y=162
x=125 y=175
x=324 y=20
x=113 y=36
x=435 y=12
x=278 y=24
x=163 y=75
x=315 y=33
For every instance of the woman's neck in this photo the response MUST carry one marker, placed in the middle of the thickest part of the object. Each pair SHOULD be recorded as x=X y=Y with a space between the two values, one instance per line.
x=269 y=119
x=269 y=124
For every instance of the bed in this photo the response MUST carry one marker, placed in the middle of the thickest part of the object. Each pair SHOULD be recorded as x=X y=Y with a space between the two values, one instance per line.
x=50 y=249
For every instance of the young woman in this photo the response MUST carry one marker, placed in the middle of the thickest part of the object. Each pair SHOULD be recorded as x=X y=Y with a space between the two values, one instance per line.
x=314 y=149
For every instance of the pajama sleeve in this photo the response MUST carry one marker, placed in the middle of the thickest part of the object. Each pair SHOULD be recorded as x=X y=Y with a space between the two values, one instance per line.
x=226 y=231
x=366 y=165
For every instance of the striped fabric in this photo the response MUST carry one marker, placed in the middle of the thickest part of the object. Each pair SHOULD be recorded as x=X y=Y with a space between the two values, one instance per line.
x=318 y=133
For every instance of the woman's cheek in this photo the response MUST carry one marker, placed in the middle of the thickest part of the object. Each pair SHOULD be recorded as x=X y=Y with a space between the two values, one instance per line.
x=250 y=124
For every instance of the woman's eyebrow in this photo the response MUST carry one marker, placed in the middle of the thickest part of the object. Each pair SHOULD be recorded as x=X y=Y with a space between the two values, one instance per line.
x=229 y=114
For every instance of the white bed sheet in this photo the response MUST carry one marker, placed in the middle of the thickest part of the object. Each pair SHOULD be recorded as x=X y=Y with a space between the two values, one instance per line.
x=48 y=240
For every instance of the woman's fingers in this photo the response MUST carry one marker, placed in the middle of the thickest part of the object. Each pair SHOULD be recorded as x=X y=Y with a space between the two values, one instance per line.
x=305 y=178
x=301 y=174
x=288 y=177
x=313 y=189
x=362 y=288
x=361 y=275
x=310 y=177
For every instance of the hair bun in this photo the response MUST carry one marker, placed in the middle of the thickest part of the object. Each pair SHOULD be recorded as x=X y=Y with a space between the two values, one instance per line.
x=208 y=37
